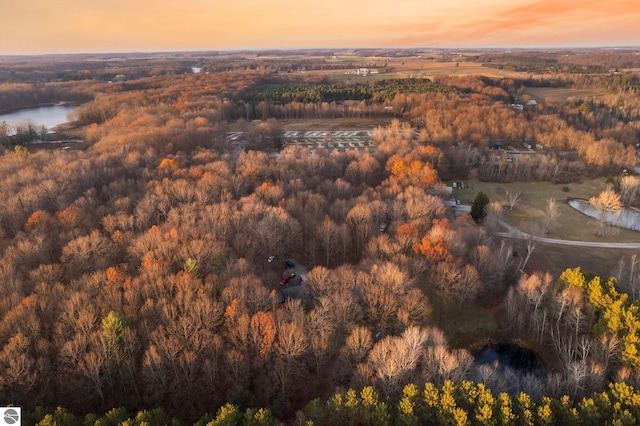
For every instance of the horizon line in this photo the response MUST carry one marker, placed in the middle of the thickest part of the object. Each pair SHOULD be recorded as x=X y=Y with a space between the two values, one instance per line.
x=297 y=49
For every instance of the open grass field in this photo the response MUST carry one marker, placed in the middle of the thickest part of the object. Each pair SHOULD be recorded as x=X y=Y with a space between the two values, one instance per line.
x=431 y=68
x=528 y=216
x=331 y=124
x=560 y=95
x=413 y=67
x=555 y=259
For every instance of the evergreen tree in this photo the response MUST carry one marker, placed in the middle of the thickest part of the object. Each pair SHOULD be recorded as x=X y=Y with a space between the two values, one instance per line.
x=478 y=207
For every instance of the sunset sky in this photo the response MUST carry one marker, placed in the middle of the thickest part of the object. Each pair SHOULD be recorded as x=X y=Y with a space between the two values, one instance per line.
x=74 y=26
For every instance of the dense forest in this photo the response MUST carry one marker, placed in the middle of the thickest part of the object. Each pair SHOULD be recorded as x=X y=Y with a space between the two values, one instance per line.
x=144 y=270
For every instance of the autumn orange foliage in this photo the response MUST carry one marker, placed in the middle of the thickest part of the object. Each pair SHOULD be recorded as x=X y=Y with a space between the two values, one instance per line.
x=441 y=223
x=168 y=165
x=413 y=172
x=30 y=300
x=407 y=229
x=115 y=276
x=232 y=310
x=72 y=217
x=38 y=220
x=263 y=324
x=434 y=250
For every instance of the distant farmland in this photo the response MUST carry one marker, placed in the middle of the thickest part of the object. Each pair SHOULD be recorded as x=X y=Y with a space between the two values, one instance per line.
x=560 y=94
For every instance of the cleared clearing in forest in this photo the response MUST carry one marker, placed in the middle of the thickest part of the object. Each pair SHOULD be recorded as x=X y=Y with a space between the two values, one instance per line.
x=528 y=216
x=561 y=95
x=333 y=140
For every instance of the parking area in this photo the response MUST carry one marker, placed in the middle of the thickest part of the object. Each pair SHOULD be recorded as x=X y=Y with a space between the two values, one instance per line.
x=334 y=140
x=293 y=276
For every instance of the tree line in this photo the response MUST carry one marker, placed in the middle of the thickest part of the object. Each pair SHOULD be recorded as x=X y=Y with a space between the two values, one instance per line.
x=463 y=403
x=377 y=91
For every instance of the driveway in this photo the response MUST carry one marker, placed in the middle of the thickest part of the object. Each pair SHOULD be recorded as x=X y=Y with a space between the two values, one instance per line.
x=513 y=232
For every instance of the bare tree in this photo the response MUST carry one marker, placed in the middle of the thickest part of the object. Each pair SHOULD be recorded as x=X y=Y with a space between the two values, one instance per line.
x=606 y=203
x=630 y=189
x=455 y=281
x=551 y=215
x=442 y=364
x=361 y=222
x=494 y=214
x=420 y=205
x=329 y=235
x=86 y=253
x=469 y=284
x=628 y=275
x=530 y=247
x=503 y=263
x=607 y=348
x=357 y=346
x=291 y=345
x=393 y=359
x=21 y=369
x=513 y=198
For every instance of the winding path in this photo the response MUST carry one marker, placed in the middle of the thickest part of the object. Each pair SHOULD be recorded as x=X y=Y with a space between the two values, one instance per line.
x=513 y=232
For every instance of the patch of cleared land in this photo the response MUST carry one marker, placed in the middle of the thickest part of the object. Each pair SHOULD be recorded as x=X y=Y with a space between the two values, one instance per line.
x=555 y=259
x=331 y=124
x=430 y=68
x=320 y=124
x=336 y=140
x=416 y=67
x=466 y=325
x=560 y=95
x=528 y=216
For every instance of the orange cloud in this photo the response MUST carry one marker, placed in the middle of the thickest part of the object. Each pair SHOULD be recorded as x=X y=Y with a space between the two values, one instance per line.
x=552 y=15
x=536 y=23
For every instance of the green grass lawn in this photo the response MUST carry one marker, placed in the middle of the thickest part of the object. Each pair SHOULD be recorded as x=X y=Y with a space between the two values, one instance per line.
x=463 y=327
x=528 y=216
x=561 y=95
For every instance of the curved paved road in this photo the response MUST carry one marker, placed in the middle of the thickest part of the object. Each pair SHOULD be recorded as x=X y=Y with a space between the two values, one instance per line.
x=513 y=232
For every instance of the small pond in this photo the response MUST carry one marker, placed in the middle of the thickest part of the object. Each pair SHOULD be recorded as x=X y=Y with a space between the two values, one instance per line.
x=508 y=367
x=627 y=218
x=509 y=355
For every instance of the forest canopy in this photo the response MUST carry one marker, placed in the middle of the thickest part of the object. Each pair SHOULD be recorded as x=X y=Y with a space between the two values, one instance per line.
x=187 y=255
x=378 y=91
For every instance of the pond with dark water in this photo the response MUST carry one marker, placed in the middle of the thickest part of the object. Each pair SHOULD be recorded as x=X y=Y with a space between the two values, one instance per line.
x=502 y=355
x=508 y=367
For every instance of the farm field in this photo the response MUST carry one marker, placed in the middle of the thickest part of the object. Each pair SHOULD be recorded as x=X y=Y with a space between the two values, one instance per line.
x=417 y=67
x=560 y=95
x=430 y=68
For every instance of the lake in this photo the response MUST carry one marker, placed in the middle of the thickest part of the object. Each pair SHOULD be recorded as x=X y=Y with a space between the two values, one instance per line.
x=48 y=116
